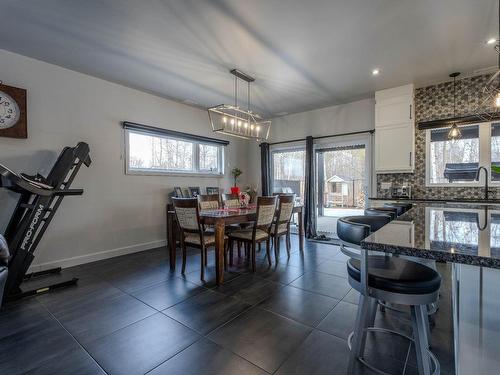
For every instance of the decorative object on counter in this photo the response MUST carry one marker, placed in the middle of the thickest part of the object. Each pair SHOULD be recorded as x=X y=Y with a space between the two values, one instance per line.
x=178 y=192
x=401 y=191
x=236 y=172
x=212 y=190
x=13 y=117
x=194 y=191
x=454 y=132
x=235 y=121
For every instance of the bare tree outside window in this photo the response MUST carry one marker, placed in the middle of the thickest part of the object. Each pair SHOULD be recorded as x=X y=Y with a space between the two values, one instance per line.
x=160 y=153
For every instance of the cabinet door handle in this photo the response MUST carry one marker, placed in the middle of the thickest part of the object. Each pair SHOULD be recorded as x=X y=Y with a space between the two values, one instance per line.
x=410 y=112
x=410 y=159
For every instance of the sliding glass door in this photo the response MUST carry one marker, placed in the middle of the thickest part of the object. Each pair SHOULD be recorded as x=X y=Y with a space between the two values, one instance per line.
x=343 y=182
x=288 y=171
x=288 y=174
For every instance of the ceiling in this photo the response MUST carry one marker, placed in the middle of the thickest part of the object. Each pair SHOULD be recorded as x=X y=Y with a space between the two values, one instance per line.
x=303 y=54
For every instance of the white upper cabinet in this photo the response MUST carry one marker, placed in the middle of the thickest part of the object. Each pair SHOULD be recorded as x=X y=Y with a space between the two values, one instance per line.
x=395 y=130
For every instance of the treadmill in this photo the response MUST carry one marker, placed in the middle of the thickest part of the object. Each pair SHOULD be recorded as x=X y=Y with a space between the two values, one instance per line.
x=39 y=200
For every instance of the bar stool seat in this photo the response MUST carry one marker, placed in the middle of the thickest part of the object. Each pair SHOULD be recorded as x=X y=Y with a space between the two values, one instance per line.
x=397 y=275
x=400 y=207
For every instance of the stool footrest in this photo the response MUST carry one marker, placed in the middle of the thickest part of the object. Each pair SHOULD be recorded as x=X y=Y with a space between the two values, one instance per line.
x=437 y=367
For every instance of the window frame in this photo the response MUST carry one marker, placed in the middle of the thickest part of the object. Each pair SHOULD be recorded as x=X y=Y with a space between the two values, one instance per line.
x=484 y=158
x=195 y=171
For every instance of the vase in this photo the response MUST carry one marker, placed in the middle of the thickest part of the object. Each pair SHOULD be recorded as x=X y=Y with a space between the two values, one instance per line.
x=235 y=190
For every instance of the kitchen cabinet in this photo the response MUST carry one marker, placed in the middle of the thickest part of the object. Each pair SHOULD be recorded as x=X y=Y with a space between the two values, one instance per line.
x=395 y=130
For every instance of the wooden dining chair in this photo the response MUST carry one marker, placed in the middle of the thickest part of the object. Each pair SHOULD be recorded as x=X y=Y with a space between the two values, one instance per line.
x=281 y=226
x=192 y=233
x=231 y=201
x=260 y=231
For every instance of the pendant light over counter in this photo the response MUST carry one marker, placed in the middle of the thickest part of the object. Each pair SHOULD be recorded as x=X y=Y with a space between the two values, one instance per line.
x=454 y=132
x=235 y=121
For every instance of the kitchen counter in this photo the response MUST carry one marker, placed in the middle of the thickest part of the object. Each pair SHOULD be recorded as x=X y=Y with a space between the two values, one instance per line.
x=458 y=233
x=419 y=200
x=468 y=236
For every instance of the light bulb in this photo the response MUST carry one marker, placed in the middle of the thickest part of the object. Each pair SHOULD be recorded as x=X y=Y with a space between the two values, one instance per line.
x=497 y=100
x=224 y=119
x=251 y=127
x=258 y=128
x=454 y=132
x=491 y=41
x=239 y=124
x=232 y=121
x=246 y=125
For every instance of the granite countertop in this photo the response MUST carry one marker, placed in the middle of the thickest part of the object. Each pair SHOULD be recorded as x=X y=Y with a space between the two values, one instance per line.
x=456 y=200
x=459 y=233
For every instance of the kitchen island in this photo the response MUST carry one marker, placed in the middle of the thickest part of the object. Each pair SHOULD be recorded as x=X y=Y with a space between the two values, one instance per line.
x=468 y=236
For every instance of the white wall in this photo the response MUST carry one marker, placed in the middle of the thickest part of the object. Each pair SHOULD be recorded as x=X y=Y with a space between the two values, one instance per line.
x=118 y=213
x=339 y=119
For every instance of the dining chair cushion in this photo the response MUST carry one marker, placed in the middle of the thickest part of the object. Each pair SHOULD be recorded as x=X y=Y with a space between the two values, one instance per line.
x=282 y=228
x=194 y=238
x=246 y=234
x=209 y=205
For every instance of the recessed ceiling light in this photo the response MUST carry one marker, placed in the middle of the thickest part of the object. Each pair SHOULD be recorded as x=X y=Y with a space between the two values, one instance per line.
x=491 y=41
x=375 y=72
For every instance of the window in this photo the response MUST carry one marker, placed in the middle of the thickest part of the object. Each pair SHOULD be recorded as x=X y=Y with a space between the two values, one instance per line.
x=289 y=171
x=164 y=154
x=456 y=162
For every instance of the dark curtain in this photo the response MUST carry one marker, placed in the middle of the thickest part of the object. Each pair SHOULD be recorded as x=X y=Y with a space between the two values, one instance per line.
x=265 y=164
x=309 y=209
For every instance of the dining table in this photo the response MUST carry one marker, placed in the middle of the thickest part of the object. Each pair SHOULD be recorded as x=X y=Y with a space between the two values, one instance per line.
x=219 y=219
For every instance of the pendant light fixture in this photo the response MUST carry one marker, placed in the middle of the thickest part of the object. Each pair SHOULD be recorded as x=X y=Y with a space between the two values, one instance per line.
x=454 y=132
x=235 y=121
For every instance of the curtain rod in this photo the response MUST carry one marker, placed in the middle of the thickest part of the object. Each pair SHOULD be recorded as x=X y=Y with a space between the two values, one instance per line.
x=324 y=136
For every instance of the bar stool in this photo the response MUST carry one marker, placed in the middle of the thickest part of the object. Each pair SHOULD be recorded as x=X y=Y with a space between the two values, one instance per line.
x=391 y=279
x=392 y=212
x=401 y=207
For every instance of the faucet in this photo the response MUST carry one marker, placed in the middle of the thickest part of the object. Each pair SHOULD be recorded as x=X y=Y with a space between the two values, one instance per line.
x=478 y=172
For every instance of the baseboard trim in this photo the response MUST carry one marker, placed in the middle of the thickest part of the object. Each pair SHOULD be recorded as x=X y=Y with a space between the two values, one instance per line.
x=93 y=257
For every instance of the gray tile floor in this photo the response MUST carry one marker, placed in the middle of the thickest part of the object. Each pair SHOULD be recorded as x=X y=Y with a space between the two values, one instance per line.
x=131 y=315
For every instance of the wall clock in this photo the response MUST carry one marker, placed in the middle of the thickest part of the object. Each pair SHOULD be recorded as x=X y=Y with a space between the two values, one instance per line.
x=13 y=118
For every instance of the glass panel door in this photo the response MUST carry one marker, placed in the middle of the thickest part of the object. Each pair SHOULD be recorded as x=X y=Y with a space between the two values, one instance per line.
x=342 y=184
x=288 y=175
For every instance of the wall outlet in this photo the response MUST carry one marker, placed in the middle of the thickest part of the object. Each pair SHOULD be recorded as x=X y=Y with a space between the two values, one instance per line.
x=385 y=185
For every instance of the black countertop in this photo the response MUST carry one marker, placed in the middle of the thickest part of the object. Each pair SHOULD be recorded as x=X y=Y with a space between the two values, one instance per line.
x=417 y=200
x=459 y=233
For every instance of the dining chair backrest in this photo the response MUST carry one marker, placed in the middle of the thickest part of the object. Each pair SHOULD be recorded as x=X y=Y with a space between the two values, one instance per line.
x=285 y=211
x=208 y=201
x=231 y=201
x=187 y=213
x=266 y=210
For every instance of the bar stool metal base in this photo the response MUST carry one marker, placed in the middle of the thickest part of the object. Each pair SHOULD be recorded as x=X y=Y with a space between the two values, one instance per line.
x=434 y=361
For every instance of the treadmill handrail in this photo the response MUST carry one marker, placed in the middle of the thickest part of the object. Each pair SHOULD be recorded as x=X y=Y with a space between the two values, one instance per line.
x=15 y=181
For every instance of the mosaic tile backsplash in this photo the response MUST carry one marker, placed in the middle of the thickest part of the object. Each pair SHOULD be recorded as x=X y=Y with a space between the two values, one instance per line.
x=433 y=103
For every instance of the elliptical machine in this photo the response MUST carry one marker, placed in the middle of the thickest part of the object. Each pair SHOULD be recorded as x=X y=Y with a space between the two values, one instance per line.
x=38 y=202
